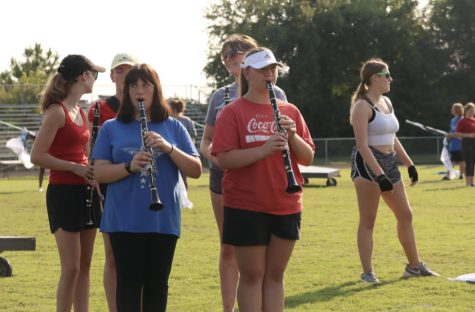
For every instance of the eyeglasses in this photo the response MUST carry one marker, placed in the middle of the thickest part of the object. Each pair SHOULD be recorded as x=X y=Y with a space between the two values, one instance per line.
x=94 y=74
x=384 y=73
x=230 y=54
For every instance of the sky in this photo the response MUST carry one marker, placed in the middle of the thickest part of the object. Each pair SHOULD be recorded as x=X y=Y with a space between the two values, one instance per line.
x=170 y=35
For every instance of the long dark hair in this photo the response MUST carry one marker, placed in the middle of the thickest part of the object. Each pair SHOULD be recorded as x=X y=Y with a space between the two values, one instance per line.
x=369 y=68
x=159 y=110
x=55 y=91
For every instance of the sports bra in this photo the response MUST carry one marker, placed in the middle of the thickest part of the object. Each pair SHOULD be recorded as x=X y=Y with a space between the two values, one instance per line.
x=382 y=127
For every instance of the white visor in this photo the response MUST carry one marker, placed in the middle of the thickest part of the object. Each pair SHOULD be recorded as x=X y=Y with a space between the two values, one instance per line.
x=260 y=60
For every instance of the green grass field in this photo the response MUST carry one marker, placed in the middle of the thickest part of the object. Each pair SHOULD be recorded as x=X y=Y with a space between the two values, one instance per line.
x=323 y=274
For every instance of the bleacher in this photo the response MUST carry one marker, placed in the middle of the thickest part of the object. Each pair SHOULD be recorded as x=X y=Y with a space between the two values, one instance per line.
x=197 y=113
x=28 y=116
x=22 y=116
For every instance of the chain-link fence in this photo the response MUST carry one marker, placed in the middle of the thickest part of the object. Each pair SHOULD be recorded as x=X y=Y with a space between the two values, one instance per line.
x=422 y=150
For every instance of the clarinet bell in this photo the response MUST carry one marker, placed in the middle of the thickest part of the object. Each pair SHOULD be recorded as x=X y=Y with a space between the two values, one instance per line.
x=156 y=204
x=292 y=185
x=293 y=188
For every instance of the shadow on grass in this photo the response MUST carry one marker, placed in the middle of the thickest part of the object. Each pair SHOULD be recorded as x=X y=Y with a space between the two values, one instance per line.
x=343 y=290
x=19 y=192
x=309 y=186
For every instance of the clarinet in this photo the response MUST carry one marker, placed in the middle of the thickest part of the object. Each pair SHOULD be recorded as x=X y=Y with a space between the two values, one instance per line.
x=292 y=185
x=90 y=188
x=227 y=98
x=151 y=168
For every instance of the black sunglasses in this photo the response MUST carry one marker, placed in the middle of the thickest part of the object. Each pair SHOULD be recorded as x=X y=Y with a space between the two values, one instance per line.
x=230 y=54
x=94 y=74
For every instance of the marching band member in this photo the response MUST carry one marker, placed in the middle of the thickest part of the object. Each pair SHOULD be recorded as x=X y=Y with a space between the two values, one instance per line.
x=61 y=146
x=261 y=221
x=232 y=54
x=143 y=241
x=374 y=169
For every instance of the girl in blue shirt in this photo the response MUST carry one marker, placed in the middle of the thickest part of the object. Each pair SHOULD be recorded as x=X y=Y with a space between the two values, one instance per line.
x=143 y=241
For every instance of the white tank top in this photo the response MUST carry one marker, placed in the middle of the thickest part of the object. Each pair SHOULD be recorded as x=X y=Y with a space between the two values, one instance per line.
x=382 y=127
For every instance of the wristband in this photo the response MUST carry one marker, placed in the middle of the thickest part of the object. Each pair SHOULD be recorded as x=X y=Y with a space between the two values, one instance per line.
x=173 y=146
x=127 y=167
x=413 y=175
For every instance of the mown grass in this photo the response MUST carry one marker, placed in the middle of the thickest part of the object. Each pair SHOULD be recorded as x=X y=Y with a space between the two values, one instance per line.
x=323 y=274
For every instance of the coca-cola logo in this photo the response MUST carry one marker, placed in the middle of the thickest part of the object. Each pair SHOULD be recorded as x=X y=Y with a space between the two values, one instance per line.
x=256 y=126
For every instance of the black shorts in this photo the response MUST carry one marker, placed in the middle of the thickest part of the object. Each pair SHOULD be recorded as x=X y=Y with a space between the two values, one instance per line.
x=456 y=156
x=250 y=228
x=67 y=208
x=216 y=179
x=388 y=163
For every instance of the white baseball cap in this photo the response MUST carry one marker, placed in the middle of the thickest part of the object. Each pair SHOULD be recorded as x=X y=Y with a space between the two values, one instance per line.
x=260 y=60
x=123 y=58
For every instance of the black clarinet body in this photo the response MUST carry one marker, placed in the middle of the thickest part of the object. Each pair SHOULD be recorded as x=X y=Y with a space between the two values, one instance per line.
x=90 y=188
x=156 y=204
x=292 y=185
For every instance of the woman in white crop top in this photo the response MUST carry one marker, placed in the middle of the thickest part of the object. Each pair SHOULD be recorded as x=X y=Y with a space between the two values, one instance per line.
x=374 y=168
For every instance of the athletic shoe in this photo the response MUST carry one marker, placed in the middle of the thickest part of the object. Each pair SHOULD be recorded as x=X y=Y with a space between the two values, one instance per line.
x=420 y=270
x=445 y=178
x=370 y=277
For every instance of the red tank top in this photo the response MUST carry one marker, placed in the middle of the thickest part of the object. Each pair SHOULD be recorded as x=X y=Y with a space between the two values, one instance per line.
x=69 y=144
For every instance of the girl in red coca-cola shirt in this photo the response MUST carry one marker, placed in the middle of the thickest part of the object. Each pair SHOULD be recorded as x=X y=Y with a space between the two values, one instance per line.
x=261 y=220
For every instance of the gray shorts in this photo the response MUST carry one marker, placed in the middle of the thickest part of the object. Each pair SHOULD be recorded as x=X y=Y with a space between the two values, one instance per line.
x=388 y=163
x=216 y=180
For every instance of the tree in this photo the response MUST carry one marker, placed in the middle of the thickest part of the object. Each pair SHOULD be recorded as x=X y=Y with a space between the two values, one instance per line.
x=25 y=79
x=452 y=26
x=324 y=44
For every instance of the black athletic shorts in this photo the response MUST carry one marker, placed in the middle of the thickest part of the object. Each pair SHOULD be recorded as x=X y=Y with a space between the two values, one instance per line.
x=249 y=228
x=67 y=208
x=388 y=163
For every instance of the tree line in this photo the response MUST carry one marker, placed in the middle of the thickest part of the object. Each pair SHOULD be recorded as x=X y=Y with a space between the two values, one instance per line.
x=324 y=43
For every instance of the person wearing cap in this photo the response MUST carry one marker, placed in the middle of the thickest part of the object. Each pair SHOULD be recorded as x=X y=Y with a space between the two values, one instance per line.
x=232 y=54
x=61 y=145
x=261 y=220
x=121 y=64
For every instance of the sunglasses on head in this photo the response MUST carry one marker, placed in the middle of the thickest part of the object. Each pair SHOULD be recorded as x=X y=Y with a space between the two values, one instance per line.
x=384 y=73
x=230 y=54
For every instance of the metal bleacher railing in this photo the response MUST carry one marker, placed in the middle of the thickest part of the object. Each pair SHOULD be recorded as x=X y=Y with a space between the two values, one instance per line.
x=28 y=116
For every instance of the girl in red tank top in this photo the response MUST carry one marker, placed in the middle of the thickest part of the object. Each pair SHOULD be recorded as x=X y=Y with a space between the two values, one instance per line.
x=61 y=146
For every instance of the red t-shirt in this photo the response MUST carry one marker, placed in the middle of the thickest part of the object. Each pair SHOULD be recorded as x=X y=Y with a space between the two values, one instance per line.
x=69 y=144
x=106 y=110
x=466 y=125
x=259 y=186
